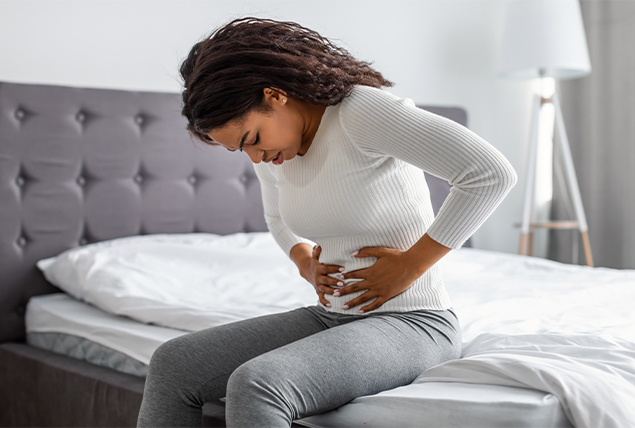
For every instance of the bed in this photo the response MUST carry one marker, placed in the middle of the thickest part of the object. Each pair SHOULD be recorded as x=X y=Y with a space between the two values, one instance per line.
x=93 y=173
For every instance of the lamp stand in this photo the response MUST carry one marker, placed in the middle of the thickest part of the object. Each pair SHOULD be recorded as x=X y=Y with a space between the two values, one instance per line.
x=526 y=236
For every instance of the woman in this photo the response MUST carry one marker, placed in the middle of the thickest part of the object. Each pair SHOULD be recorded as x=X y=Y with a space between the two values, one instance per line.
x=340 y=164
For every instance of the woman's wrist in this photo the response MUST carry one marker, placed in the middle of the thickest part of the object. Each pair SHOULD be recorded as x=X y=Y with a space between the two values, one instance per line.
x=425 y=253
x=301 y=254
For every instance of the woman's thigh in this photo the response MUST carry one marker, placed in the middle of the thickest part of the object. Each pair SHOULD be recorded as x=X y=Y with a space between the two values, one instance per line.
x=330 y=368
x=190 y=370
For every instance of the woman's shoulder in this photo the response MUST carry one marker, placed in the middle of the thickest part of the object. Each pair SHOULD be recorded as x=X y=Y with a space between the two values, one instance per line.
x=368 y=102
x=362 y=92
x=368 y=97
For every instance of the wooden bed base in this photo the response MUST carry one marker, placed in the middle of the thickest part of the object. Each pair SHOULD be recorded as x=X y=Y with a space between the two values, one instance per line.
x=41 y=388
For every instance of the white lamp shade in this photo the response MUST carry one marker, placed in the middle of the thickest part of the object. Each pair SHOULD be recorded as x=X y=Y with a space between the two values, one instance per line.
x=545 y=35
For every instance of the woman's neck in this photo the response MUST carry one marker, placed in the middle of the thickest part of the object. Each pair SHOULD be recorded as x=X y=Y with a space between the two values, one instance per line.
x=312 y=117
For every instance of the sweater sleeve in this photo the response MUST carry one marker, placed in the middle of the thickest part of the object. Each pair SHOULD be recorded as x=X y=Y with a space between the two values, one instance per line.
x=269 y=190
x=381 y=124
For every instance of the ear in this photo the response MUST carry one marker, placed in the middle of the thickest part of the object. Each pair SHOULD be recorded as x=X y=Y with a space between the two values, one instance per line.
x=274 y=95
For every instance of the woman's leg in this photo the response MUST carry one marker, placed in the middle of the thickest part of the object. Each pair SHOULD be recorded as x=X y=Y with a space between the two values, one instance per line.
x=190 y=370
x=321 y=372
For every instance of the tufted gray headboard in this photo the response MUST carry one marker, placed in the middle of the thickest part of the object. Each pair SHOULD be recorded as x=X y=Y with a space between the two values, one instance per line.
x=84 y=165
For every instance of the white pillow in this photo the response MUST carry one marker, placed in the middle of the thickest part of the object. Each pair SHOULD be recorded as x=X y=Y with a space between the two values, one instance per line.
x=184 y=281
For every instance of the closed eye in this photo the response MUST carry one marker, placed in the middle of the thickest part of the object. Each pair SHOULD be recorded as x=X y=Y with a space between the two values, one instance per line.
x=254 y=143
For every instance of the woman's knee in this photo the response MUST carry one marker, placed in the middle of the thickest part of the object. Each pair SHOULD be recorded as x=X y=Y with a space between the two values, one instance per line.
x=172 y=373
x=172 y=363
x=258 y=376
x=167 y=354
x=247 y=375
x=260 y=389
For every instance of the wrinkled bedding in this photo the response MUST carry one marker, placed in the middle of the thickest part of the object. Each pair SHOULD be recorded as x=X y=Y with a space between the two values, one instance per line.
x=593 y=376
x=563 y=329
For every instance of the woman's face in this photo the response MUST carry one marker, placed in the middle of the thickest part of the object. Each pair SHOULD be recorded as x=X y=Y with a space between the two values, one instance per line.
x=283 y=132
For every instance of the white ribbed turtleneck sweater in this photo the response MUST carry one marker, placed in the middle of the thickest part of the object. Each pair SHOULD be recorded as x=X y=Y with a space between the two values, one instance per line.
x=361 y=184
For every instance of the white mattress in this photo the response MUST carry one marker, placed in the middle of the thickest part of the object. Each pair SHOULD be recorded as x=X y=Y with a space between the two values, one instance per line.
x=60 y=313
x=426 y=404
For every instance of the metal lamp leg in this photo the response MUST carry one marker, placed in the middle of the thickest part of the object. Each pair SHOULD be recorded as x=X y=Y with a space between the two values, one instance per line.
x=531 y=172
x=571 y=178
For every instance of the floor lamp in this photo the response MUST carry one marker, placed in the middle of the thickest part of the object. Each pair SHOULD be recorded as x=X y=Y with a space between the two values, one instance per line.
x=545 y=38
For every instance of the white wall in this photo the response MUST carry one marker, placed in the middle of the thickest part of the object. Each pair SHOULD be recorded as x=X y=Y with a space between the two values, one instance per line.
x=436 y=51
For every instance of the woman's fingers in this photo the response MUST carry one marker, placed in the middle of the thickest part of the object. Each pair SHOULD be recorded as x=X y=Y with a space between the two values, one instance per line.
x=357 y=274
x=352 y=288
x=324 y=283
x=325 y=289
x=325 y=278
x=323 y=299
x=368 y=296
x=374 y=305
x=364 y=298
x=330 y=281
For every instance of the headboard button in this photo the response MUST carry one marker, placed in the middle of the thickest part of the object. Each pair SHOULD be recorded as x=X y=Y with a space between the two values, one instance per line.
x=81 y=117
x=19 y=181
x=243 y=178
x=81 y=181
x=192 y=179
x=22 y=241
x=20 y=310
x=138 y=179
x=138 y=119
x=19 y=114
x=83 y=241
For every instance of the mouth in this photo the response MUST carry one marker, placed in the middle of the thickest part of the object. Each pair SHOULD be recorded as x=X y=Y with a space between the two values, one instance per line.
x=278 y=159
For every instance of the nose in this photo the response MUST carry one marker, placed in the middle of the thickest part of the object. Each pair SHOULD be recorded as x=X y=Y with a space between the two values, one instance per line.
x=255 y=155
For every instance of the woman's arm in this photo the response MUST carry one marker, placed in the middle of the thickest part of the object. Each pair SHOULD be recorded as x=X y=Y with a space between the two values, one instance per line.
x=382 y=125
x=301 y=256
x=302 y=251
x=425 y=253
x=270 y=202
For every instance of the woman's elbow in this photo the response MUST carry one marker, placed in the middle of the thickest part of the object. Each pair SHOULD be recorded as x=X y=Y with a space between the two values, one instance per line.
x=510 y=177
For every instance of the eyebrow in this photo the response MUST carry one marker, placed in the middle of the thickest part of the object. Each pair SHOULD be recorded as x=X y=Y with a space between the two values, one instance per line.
x=242 y=142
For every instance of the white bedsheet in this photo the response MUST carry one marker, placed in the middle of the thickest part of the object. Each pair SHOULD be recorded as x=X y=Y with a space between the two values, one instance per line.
x=495 y=292
x=194 y=281
x=185 y=281
x=498 y=295
x=564 y=329
x=593 y=376
x=60 y=313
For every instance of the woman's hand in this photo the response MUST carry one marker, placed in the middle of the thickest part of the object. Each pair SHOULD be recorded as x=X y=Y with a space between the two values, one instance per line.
x=316 y=274
x=392 y=273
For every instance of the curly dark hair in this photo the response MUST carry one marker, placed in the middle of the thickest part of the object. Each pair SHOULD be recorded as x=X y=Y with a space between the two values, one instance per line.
x=224 y=74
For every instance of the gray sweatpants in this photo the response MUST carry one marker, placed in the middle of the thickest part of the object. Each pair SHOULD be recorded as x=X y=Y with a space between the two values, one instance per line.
x=278 y=368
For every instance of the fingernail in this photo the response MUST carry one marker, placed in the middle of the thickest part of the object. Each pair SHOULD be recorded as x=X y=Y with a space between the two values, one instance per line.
x=354 y=253
x=340 y=283
x=336 y=293
x=328 y=305
x=345 y=307
x=361 y=311
x=341 y=269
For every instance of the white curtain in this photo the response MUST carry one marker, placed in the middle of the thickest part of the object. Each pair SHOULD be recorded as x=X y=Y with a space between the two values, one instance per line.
x=599 y=113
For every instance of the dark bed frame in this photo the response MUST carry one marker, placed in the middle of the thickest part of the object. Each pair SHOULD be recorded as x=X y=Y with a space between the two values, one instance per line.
x=79 y=166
